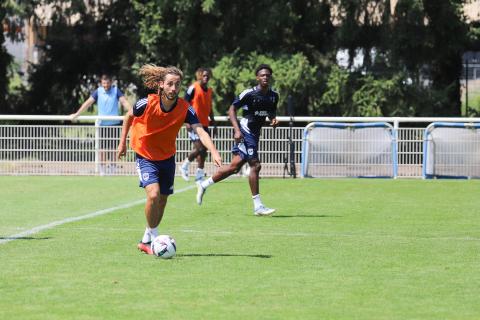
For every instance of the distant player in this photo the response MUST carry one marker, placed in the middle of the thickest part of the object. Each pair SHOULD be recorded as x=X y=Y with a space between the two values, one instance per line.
x=155 y=122
x=107 y=97
x=200 y=96
x=257 y=104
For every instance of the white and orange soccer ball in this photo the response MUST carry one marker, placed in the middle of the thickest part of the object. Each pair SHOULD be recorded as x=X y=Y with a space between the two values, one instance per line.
x=164 y=247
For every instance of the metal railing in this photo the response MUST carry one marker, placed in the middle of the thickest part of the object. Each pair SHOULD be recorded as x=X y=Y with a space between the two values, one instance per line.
x=89 y=149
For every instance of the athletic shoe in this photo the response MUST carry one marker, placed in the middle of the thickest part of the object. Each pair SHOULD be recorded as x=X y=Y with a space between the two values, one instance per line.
x=200 y=192
x=263 y=211
x=184 y=173
x=145 y=247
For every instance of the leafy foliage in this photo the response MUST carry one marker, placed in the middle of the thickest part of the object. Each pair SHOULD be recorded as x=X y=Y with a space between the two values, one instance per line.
x=75 y=55
x=352 y=94
x=407 y=67
x=293 y=75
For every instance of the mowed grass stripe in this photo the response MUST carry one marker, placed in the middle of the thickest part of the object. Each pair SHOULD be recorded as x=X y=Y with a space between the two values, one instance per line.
x=336 y=249
x=57 y=223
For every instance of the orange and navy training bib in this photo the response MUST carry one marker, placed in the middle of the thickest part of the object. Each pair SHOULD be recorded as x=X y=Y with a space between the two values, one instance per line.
x=201 y=101
x=154 y=130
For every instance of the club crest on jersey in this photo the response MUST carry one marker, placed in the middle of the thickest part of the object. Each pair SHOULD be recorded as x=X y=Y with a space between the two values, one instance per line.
x=250 y=151
x=145 y=176
x=261 y=113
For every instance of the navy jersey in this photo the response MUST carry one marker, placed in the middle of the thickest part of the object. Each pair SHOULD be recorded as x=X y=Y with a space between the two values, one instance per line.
x=256 y=106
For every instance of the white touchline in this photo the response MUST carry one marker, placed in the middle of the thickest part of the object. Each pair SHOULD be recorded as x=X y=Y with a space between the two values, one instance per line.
x=73 y=219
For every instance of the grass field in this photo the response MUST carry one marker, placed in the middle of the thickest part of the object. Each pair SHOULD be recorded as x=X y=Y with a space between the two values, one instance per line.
x=335 y=249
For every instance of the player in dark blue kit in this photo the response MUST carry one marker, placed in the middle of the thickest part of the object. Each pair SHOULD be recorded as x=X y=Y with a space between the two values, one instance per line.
x=257 y=104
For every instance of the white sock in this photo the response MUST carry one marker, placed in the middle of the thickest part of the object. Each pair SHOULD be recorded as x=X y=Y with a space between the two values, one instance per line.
x=206 y=183
x=185 y=163
x=146 y=236
x=153 y=233
x=257 y=202
x=200 y=174
x=149 y=234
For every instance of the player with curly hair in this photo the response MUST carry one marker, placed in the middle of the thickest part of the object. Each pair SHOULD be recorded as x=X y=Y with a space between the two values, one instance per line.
x=154 y=123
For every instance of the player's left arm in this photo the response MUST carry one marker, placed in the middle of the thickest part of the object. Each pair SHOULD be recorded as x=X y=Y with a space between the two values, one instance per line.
x=196 y=126
x=211 y=115
x=208 y=143
x=212 y=118
x=127 y=123
x=273 y=121
x=125 y=104
x=272 y=114
x=213 y=123
x=123 y=101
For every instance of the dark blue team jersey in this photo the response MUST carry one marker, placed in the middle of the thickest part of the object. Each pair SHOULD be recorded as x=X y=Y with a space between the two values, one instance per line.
x=141 y=104
x=256 y=106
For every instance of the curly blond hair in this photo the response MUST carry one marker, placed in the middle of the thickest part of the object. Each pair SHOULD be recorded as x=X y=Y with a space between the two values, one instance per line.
x=152 y=75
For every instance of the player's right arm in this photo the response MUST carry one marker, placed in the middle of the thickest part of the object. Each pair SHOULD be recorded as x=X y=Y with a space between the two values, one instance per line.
x=136 y=111
x=189 y=94
x=127 y=123
x=83 y=107
x=238 y=102
x=272 y=114
x=232 y=115
x=125 y=104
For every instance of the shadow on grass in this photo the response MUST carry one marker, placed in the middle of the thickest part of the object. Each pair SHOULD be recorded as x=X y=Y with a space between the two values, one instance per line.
x=24 y=238
x=307 y=216
x=262 y=256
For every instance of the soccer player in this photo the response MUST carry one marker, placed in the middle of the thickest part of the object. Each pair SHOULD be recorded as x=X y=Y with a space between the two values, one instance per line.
x=257 y=104
x=155 y=122
x=107 y=98
x=200 y=96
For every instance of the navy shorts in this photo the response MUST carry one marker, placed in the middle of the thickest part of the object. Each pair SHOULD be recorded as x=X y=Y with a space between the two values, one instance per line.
x=248 y=148
x=161 y=172
x=194 y=137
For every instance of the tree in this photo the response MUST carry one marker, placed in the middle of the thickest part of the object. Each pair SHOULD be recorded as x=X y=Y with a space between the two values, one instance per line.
x=5 y=60
x=11 y=14
x=76 y=54
x=293 y=75
x=445 y=21
x=409 y=45
x=408 y=67
x=191 y=33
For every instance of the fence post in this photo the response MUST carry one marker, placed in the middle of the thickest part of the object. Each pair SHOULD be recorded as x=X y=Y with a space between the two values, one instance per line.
x=396 y=125
x=97 y=146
